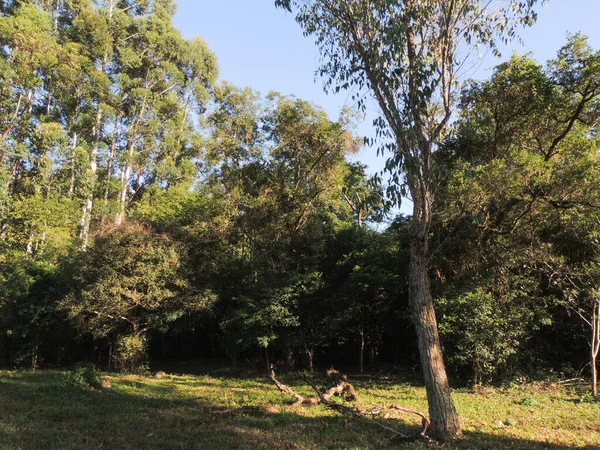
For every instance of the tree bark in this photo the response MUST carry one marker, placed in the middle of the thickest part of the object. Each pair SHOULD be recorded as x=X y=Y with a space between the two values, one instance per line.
x=595 y=348
x=125 y=175
x=267 y=359
x=361 y=354
x=73 y=161
x=310 y=353
x=442 y=412
x=111 y=156
x=86 y=217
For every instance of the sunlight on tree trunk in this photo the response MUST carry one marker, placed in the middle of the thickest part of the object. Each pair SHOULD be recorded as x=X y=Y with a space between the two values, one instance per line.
x=595 y=348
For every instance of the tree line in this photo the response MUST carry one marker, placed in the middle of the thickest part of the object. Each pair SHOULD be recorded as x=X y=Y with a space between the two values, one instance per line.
x=148 y=210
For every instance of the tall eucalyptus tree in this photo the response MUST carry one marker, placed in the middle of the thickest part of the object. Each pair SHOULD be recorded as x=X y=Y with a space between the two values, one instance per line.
x=409 y=55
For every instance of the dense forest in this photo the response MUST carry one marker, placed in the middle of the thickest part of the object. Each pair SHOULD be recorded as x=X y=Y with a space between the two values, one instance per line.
x=150 y=212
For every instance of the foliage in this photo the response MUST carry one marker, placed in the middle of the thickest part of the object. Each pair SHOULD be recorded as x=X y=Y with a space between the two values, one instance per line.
x=407 y=55
x=147 y=211
x=131 y=353
x=486 y=335
x=35 y=331
x=84 y=376
x=515 y=215
x=133 y=280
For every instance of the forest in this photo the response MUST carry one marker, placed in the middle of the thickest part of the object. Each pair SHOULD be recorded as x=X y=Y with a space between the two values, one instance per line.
x=152 y=213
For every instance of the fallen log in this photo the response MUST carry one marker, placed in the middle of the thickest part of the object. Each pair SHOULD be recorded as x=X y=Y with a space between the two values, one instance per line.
x=571 y=382
x=424 y=420
x=343 y=387
x=300 y=399
x=343 y=409
x=397 y=435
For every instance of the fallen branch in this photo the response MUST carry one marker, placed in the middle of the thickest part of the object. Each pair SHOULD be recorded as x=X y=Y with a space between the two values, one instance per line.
x=300 y=399
x=571 y=381
x=343 y=409
x=424 y=420
x=342 y=386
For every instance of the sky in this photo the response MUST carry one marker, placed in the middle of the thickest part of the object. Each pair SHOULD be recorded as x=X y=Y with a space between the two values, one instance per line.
x=262 y=47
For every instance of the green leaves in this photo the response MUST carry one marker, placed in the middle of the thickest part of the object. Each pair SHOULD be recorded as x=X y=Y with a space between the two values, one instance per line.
x=408 y=56
x=519 y=192
x=134 y=280
x=486 y=333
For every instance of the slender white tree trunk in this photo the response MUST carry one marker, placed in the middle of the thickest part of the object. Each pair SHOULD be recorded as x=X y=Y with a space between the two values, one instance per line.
x=125 y=175
x=73 y=149
x=361 y=354
x=595 y=347
x=86 y=218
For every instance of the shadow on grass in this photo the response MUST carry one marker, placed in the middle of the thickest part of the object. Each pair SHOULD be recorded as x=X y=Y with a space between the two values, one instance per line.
x=223 y=370
x=42 y=411
x=475 y=440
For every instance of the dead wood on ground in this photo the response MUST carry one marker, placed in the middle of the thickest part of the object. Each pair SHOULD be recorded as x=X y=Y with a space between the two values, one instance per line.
x=300 y=399
x=344 y=388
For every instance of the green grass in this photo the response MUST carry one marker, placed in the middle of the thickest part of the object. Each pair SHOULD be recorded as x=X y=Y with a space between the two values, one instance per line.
x=42 y=410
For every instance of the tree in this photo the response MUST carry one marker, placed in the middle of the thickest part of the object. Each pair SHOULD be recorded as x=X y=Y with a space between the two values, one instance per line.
x=363 y=196
x=409 y=55
x=281 y=165
x=90 y=88
x=367 y=290
x=134 y=279
x=521 y=186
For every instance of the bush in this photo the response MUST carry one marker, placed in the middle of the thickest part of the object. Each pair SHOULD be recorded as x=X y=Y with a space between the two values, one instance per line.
x=131 y=354
x=483 y=334
x=84 y=376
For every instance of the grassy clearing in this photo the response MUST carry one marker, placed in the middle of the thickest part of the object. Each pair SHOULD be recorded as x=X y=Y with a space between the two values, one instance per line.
x=41 y=410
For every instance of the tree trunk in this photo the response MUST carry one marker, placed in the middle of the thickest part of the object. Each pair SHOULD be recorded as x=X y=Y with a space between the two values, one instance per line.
x=111 y=156
x=86 y=218
x=594 y=377
x=595 y=348
x=35 y=355
x=361 y=354
x=29 y=248
x=442 y=412
x=267 y=359
x=372 y=352
x=125 y=175
x=73 y=161
x=110 y=355
x=310 y=353
x=289 y=359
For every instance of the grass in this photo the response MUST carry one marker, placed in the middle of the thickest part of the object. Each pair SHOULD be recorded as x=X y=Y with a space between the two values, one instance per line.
x=219 y=410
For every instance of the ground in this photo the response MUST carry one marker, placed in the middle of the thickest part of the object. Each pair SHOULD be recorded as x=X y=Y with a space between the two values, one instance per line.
x=222 y=410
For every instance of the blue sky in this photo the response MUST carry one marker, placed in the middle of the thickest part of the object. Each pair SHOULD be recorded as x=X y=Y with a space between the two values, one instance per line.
x=262 y=47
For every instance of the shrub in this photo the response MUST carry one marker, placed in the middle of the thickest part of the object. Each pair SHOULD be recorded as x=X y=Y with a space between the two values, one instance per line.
x=131 y=354
x=84 y=376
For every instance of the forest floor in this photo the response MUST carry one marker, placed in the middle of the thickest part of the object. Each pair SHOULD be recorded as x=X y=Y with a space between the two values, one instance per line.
x=222 y=410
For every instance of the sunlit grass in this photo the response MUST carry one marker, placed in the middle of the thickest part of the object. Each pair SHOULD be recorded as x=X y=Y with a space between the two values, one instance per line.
x=43 y=410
